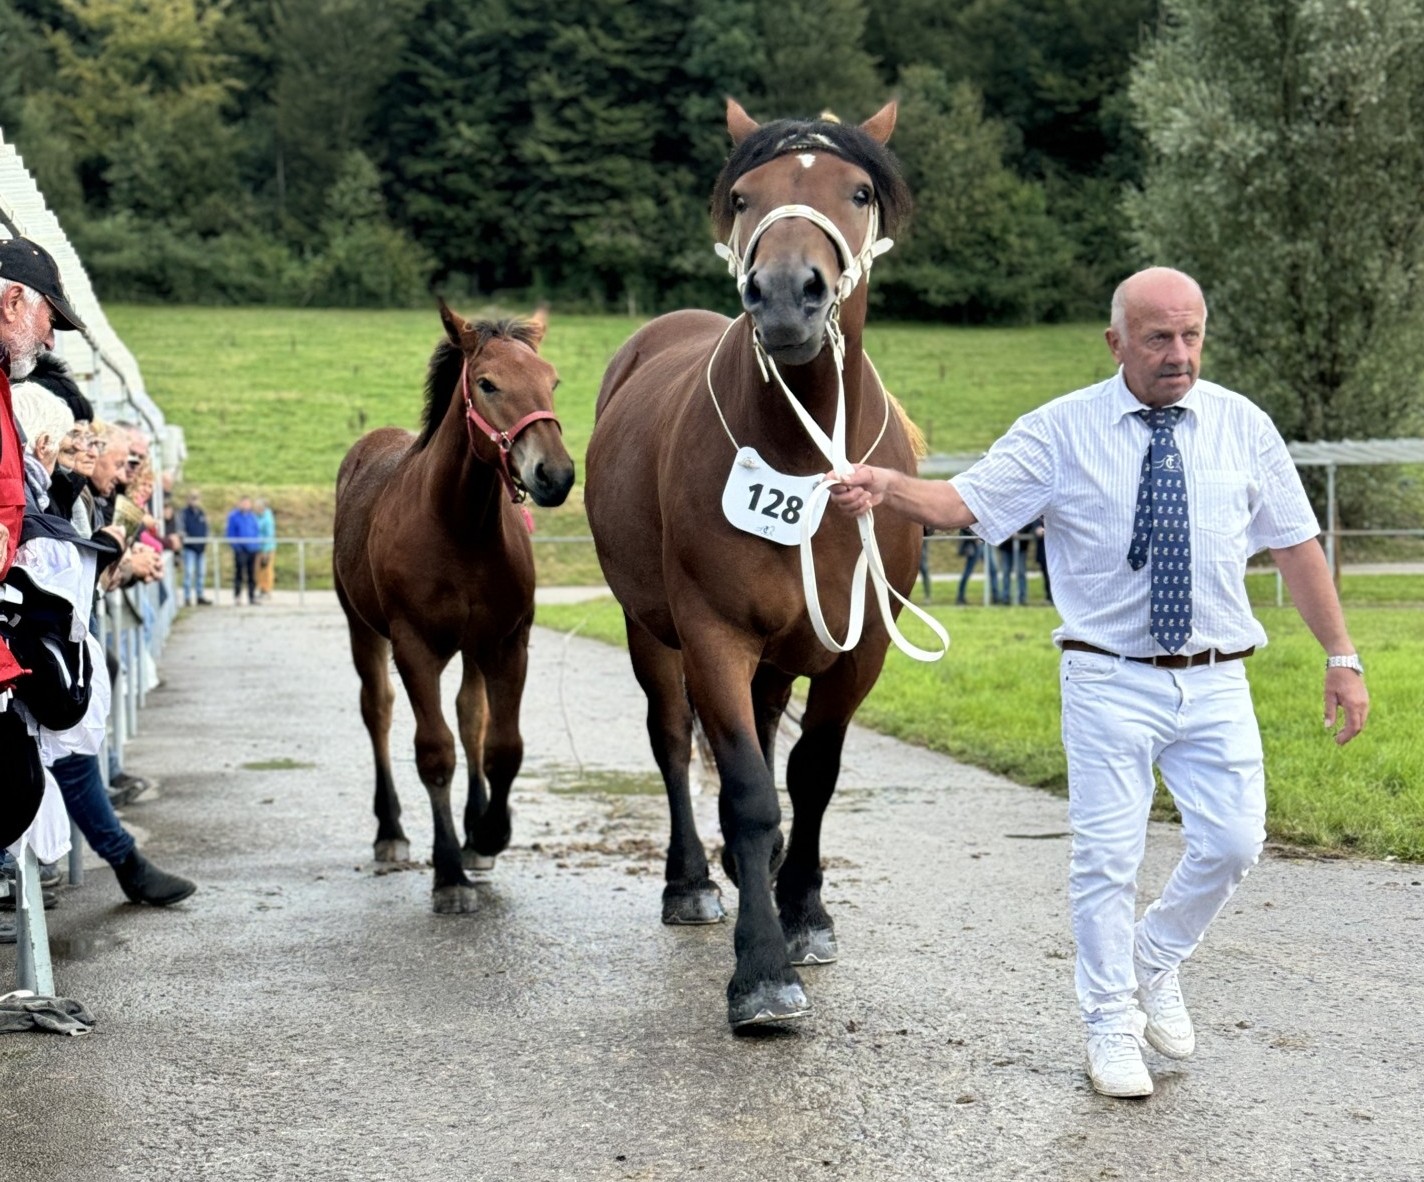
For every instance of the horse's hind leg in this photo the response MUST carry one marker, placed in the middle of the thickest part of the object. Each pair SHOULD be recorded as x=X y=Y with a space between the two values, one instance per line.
x=811 y=774
x=495 y=689
x=371 y=653
x=689 y=896
x=435 y=760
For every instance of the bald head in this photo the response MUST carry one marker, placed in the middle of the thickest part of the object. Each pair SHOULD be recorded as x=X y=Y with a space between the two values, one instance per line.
x=1158 y=324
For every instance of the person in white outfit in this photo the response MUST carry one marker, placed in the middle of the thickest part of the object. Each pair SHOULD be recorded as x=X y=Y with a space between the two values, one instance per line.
x=1155 y=487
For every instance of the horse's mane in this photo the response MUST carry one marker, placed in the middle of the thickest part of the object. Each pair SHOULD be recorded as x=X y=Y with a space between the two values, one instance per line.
x=444 y=372
x=808 y=135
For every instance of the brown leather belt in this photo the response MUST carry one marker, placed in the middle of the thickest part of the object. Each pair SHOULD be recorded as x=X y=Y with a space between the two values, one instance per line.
x=1174 y=661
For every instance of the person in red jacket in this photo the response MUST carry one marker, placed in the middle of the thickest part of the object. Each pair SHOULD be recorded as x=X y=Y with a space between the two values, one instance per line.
x=33 y=307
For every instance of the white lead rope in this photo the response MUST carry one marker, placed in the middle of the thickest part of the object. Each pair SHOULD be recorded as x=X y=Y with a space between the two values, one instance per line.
x=832 y=447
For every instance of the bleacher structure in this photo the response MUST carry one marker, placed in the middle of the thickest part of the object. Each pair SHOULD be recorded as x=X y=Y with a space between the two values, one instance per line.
x=102 y=363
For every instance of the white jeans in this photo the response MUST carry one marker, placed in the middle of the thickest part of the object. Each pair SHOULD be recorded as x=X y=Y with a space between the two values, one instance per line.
x=1198 y=726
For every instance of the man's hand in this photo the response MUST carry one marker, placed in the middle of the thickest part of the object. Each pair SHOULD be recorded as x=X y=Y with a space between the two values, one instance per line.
x=860 y=490
x=1346 y=702
x=4 y=543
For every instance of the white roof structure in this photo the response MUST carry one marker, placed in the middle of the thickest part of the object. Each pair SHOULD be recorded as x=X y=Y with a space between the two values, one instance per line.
x=1343 y=452
x=102 y=364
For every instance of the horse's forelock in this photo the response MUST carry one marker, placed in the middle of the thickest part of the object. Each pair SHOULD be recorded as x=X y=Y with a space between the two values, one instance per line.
x=847 y=141
x=443 y=374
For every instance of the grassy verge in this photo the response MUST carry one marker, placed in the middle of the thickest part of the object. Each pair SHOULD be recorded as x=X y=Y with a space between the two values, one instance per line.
x=993 y=702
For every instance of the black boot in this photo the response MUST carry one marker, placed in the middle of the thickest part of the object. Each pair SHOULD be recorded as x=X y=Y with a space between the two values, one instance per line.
x=143 y=882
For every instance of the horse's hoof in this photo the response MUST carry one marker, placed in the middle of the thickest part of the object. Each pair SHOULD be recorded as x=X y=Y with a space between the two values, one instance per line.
x=479 y=865
x=769 y=1003
x=813 y=946
x=455 y=900
x=395 y=849
x=693 y=907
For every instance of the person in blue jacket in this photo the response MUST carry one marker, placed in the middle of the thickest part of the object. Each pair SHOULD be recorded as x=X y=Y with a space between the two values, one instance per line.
x=243 y=535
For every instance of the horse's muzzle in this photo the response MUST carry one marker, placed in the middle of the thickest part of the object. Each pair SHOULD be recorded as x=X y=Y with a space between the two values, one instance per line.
x=547 y=476
x=788 y=302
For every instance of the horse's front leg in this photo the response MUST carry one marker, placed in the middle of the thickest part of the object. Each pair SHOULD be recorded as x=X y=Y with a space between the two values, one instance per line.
x=811 y=773
x=503 y=672
x=419 y=669
x=471 y=715
x=764 y=987
x=689 y=894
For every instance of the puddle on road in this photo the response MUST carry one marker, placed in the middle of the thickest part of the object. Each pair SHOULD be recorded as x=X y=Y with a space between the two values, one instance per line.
x=82 y=947
x=564 y=780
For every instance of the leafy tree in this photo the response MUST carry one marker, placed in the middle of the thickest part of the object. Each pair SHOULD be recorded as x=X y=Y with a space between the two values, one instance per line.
x=1054 y=74
x=815 y=59
x=138 y=97
x=1285 y=174
x=982 y=246
x=333 y=59
x=365 y=261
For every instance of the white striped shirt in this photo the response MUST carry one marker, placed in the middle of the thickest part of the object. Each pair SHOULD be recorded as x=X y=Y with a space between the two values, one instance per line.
x=1077 y=461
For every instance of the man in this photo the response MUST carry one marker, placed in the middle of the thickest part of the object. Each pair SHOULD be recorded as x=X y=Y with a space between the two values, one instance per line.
x=1154 y=488
x=33 y=307
x=193 y=524
x=242 y=533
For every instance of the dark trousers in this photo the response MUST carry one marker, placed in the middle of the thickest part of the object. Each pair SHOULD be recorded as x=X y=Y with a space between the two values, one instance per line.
x=88 y=803
x=244 y=569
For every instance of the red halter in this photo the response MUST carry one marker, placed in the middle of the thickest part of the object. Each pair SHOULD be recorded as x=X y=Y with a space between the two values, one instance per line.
x=503 y=439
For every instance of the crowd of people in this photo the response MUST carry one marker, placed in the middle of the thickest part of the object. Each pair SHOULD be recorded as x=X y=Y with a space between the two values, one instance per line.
x=1005 y=565
x=75 y=525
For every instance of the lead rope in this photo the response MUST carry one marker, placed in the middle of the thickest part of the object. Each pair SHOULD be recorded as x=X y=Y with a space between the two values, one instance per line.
x=832 y=447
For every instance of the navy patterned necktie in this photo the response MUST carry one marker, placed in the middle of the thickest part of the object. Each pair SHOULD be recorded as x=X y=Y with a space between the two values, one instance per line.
x=1163 y=527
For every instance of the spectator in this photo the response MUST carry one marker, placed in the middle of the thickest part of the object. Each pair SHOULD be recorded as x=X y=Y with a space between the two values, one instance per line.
x=1156 y=632
x=194 y=527
x=1040 y=556
x=1013 y=563
x=77 y=772
x=925 y=563
x=970 y=548
x=267 y=549
x=242 y=534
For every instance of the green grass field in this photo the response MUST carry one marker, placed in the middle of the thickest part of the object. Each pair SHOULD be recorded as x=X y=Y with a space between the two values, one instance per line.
x=993 y=702
x=271 y=399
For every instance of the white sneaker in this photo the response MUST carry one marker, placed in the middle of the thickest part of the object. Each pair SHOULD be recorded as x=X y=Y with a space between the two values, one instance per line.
x=1115 y=1064
x=1169 y=1026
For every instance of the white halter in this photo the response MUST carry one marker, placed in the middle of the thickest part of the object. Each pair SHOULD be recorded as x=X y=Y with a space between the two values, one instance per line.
x=854 y=268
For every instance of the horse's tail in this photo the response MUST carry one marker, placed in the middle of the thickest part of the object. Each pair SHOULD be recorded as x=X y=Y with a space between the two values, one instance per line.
x=916 y=437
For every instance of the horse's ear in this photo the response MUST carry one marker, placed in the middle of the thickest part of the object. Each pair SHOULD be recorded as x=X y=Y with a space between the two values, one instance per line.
x=538 y=324
x=879 y=126
x=739 y=123
x=455 y=325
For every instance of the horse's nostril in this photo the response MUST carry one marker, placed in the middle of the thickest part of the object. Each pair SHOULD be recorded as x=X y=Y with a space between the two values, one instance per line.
x=815 y=287
x=752 y=294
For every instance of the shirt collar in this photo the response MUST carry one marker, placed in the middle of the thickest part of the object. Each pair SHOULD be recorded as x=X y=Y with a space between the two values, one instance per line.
x=1125 y=402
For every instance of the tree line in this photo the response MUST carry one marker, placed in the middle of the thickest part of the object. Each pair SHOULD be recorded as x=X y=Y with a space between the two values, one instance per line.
x=359 y=152
x=353 y=152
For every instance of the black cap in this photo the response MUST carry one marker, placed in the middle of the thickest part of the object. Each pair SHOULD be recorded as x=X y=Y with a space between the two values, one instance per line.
x=23 y=261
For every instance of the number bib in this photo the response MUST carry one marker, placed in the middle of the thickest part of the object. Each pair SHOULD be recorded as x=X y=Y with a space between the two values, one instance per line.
x=760 y=500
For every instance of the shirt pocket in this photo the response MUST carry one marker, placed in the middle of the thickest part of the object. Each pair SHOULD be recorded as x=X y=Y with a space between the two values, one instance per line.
x=1220 y=503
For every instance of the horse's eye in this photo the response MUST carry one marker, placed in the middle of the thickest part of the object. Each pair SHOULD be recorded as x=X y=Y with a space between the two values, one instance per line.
x=862 y=197
x=486 y=386
x=739 y=203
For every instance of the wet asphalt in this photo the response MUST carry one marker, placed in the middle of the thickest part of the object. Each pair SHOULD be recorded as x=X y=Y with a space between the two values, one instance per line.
x=305 y=1015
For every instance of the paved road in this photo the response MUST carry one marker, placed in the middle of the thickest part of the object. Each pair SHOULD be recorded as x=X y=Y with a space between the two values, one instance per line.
x=306 y=1017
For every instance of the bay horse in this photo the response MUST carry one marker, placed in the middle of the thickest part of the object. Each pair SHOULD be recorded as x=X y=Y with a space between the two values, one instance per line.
x=716 y=615
x=432 y=558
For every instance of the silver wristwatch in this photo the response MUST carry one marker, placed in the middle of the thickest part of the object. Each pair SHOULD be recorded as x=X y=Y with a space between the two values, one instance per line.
x=1348 y=661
